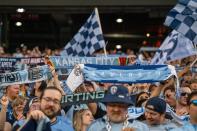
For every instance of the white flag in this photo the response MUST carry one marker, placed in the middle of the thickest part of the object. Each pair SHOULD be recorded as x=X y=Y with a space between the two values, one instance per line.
x=75 y=78
x=175 y=46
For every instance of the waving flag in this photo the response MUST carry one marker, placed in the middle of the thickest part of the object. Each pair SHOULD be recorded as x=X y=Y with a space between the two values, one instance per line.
x=175 y=46
x=87 y=40
x=183 y=18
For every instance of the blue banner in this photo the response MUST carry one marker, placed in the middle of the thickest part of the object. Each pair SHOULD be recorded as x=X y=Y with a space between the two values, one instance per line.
x=128 y=74
x=70 y=62
x=11 y=63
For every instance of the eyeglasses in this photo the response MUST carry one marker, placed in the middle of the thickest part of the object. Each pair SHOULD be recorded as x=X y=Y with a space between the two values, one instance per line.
x=55 y=101
x=194 y=102
x=184 y=94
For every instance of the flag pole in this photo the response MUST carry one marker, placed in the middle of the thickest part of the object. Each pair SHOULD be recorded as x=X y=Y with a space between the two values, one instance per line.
x=97 y=14
x=195 y=55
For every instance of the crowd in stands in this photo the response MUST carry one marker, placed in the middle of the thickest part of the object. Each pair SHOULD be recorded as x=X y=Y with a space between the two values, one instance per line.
x=36 y=106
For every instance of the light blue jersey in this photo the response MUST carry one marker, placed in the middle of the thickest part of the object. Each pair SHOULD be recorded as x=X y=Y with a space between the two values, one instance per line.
x=100 y=125
x=187 y=127
x=61 y=124
x=168 y=125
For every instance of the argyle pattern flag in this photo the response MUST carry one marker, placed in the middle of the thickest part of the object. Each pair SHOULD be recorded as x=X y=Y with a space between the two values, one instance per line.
x=183 y=18
x=88 y=39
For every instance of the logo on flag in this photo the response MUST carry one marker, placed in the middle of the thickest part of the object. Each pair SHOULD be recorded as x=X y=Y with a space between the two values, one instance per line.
x=175 y=46
x=183 y=18
x=88 y=39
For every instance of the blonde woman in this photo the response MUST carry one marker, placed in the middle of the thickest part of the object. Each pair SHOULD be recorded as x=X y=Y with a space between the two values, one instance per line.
x=18 y=107
x=82 y=119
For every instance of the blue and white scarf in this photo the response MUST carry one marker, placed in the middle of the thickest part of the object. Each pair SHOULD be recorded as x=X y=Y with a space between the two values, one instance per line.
x=127 y=74
x=25 y=76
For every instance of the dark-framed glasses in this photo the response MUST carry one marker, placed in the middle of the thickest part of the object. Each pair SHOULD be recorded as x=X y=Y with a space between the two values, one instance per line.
x=55 y=101
x=184 y=94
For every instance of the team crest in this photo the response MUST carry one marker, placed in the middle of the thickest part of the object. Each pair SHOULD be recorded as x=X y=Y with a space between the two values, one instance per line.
x=114 y=89
x=77 y=70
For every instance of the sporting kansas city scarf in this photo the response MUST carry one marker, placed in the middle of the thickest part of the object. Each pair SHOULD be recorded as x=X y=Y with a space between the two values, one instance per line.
x=119 y=74
x=127 y=74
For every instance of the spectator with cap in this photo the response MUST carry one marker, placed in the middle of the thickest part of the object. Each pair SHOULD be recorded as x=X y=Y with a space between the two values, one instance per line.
x=192 y=124
x=155 y=110
x=117 y=101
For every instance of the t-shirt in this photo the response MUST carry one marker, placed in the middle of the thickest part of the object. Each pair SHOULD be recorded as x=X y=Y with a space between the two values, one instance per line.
x=168 y=125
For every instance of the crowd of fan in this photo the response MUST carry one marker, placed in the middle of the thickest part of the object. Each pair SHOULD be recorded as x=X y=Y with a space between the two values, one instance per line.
x=24 y=106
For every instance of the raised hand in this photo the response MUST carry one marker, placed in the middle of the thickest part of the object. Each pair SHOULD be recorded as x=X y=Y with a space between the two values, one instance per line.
x=37 y=115
x=4 y=101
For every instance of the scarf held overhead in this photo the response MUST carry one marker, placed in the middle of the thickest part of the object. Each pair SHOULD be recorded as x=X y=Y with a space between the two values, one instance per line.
x=128 y=74
x=25 y=76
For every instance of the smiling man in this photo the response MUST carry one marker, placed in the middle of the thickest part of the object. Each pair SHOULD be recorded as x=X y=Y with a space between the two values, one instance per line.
x=50 y=107
x=192 y=124
x=155 y=111
x=117 y=101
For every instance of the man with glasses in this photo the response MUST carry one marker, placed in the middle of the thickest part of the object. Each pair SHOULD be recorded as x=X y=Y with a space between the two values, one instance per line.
x=50 y=107
x=192 y=124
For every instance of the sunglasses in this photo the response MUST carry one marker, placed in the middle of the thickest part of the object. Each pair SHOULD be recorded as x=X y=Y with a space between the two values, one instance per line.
x=194 y=102
x=184 y=94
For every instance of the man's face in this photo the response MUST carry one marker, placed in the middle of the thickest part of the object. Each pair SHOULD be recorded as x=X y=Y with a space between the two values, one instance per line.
x=193 y=109
x=117 y=112
x=170 y=98
x=50 y=103
x=185 y=91
x=152 y=117
x=13 y=91
x=193 y=86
